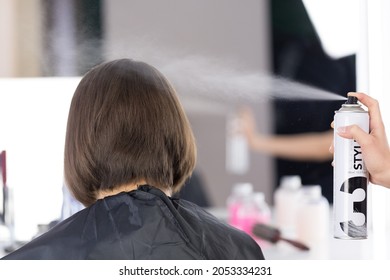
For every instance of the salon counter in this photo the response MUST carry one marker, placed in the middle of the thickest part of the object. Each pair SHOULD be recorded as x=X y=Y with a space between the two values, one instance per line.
x=331 y=249
x=376 y=246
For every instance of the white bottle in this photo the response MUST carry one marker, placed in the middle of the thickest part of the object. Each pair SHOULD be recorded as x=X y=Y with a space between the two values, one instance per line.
x=237 y=149
x=313 y=217
x=239 y=196
x=286 y=201
x=262 y=209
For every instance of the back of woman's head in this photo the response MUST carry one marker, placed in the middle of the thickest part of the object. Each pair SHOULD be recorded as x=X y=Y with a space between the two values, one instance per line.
x=126 y=125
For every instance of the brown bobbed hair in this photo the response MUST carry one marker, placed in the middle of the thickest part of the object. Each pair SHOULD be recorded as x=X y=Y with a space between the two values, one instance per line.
x=126 y=124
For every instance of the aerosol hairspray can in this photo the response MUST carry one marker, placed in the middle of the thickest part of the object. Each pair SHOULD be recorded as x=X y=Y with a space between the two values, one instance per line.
x=350 y=175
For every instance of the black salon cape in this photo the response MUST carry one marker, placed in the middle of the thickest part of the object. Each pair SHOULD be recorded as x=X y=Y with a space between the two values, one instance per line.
x=141 y=224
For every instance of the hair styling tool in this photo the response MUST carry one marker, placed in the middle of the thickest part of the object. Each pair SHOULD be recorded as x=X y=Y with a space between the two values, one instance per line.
x=274 y=235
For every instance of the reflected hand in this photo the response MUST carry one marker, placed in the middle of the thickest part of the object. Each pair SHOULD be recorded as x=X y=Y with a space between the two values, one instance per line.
x=249 y=129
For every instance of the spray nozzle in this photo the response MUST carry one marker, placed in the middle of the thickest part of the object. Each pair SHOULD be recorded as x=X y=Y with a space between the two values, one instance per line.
x=352 y=100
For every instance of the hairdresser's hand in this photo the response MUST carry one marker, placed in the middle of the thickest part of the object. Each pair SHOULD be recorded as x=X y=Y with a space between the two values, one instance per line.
x=375 y=148
x=248 y=128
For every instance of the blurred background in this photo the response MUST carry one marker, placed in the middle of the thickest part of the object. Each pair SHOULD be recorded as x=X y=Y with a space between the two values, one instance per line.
x=291 y=62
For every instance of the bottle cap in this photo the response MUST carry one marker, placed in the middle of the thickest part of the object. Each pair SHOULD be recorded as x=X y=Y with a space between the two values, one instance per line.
x=243 y=188
x=292 y=182
x=258 y=197
x=312 y=191
x=352 y=100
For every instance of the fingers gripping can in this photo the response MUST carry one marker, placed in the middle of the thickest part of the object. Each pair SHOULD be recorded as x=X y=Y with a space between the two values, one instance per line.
x=350 y=175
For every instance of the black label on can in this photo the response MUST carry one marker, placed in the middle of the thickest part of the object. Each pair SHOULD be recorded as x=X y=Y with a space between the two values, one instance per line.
x=351 y=227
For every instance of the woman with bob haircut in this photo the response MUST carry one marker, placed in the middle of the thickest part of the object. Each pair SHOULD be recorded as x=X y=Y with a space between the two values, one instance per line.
x=129 y=147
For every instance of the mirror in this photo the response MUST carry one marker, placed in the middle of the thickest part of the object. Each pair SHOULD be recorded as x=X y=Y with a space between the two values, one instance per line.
x=219 y=54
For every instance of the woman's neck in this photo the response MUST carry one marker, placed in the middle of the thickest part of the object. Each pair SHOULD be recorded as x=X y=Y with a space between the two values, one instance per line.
x=126 y=188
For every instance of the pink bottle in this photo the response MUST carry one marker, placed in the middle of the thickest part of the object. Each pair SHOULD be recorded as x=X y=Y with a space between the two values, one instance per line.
x=255 y=210
x=240 y=194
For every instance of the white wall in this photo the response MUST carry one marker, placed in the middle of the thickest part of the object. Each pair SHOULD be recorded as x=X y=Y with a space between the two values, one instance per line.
x=374 y=72
x=33 y=119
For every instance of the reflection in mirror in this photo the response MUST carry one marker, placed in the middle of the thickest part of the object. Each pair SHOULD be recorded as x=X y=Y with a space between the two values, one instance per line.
x=299 y=55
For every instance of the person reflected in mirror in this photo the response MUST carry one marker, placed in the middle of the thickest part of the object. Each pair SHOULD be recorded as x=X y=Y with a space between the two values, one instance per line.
x=312 y=146
x=307 y=153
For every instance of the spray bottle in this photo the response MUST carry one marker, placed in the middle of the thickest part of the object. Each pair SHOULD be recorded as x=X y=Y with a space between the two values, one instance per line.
x=237 y=149
x=350 y=175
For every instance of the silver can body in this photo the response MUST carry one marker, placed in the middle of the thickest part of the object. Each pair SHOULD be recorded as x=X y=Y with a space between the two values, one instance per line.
x=350 y=177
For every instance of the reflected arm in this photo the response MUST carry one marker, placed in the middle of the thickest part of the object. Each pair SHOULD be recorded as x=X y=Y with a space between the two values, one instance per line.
x=312 y=146
x=304 y=146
